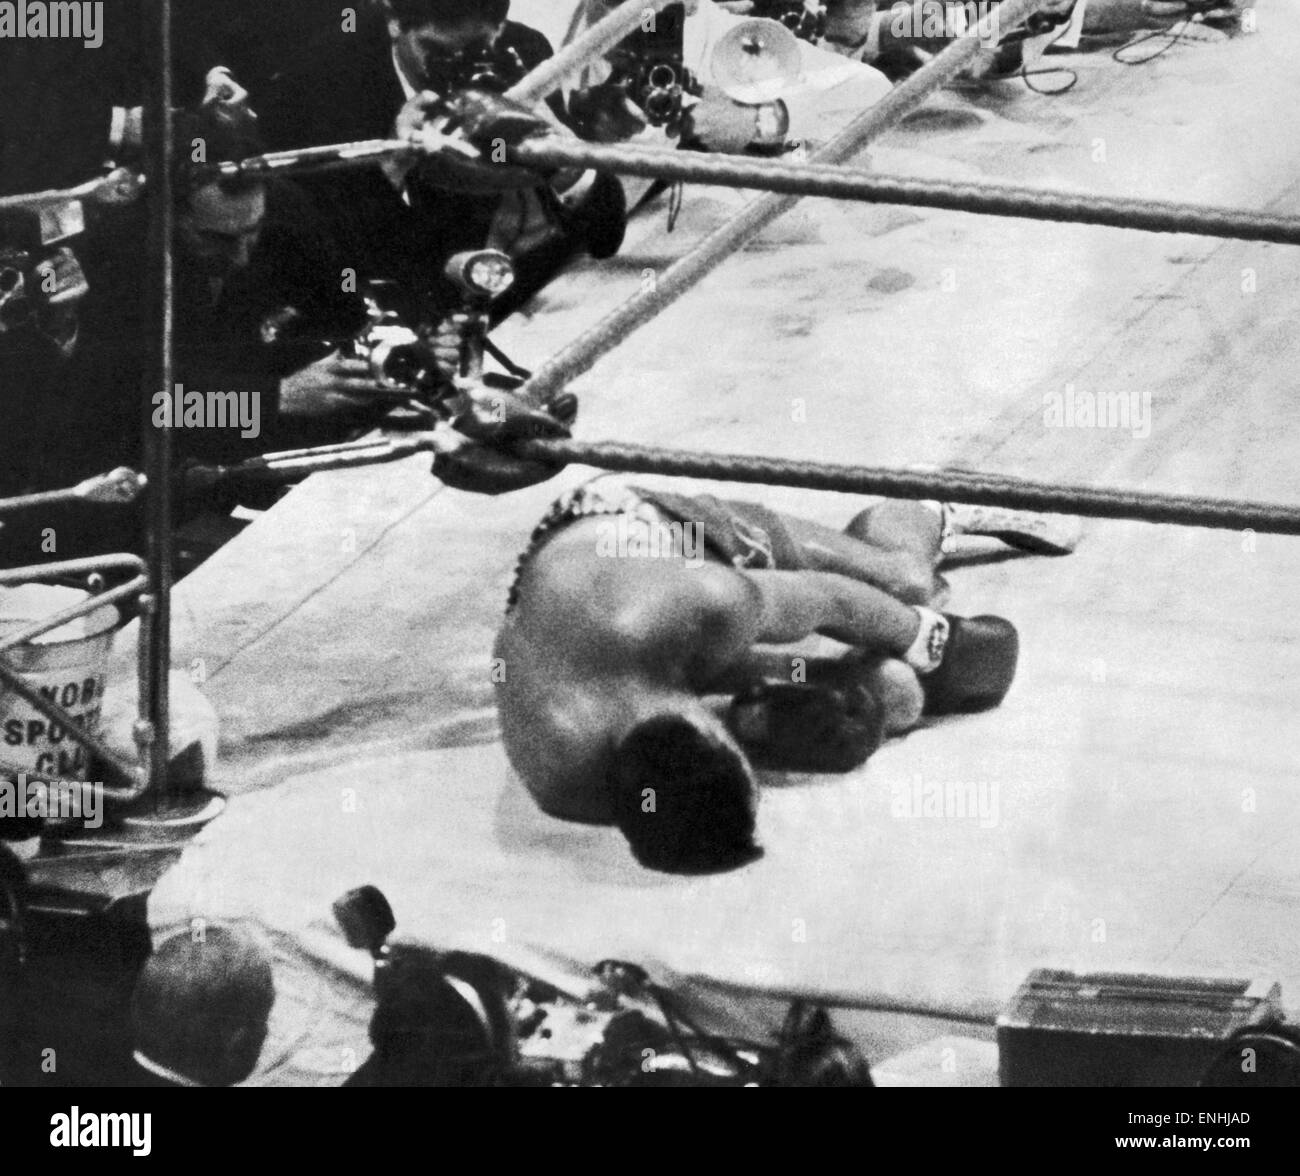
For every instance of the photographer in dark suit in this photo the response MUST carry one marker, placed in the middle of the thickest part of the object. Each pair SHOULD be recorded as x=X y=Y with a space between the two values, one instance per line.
x=387 y=77
x=260 y=297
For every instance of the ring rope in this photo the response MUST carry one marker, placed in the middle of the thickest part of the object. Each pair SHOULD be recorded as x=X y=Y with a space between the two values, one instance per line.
x=820 y=179
x=977 y=489
x=584 y=352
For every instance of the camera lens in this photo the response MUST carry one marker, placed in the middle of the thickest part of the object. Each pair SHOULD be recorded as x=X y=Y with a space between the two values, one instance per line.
x=401 y=367
x=660 y=106
x=662 y=77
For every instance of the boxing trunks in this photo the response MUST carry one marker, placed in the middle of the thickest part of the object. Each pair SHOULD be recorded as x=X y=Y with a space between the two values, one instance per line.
x=744 y=534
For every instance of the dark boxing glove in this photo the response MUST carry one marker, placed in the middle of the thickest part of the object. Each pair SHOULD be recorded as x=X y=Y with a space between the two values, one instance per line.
x=605 y=114
x=798 y=728
x=498 y=415
x=977 y=663
x=483 y=463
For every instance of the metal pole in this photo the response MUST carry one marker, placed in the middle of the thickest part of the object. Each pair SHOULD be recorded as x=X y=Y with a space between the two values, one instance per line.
x=155 y=621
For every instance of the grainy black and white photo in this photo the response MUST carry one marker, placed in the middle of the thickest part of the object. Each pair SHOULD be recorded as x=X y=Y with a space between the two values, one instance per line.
x=650 y=543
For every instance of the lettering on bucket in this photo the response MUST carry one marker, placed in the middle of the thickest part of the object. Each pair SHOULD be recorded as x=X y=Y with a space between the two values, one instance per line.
x=35 y=743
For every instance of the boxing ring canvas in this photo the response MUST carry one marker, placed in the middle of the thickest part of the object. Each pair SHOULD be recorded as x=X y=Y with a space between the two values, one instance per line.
x=1132 y=805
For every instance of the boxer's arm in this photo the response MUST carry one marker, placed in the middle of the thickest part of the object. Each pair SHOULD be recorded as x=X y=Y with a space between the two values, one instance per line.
x=795 y=605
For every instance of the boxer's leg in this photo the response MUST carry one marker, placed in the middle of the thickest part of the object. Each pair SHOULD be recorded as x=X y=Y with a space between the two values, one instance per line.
x=898 y=554
x=894 y=545
x=918 y=526
x=897 y=524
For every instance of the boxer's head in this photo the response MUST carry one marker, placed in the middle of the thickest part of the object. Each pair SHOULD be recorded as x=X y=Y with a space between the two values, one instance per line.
x=683 y=794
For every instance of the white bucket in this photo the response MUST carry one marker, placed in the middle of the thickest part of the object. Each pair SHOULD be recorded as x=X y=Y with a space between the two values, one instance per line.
x=69 y=666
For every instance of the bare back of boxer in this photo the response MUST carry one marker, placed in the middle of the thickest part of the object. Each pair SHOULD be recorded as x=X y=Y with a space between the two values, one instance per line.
x=609 y=653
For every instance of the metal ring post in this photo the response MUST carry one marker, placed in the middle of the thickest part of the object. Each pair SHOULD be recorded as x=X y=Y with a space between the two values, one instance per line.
x=155 y=621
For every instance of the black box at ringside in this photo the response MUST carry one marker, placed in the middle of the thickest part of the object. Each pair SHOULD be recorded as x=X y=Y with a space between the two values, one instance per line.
x=1116 y=1029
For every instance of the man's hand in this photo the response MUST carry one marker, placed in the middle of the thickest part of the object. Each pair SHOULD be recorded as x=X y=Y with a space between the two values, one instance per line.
x=222 y=88
x=490 y=121
x=329 y=387
x=409 y=127
x=479 y=462
x=486 y=125
x=415 y=113
x=719 y=124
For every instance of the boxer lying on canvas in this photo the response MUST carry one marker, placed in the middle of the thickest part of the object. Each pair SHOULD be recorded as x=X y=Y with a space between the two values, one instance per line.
x=631 y=607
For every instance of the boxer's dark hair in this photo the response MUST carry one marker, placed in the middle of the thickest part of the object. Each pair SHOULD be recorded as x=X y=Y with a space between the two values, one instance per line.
x=229 y=135
x=681 y=796
x=413 y=13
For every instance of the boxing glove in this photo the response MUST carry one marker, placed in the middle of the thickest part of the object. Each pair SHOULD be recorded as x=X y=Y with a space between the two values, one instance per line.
x=976 y=669
x=605 y=114
x=798 y=728
x=481 y=462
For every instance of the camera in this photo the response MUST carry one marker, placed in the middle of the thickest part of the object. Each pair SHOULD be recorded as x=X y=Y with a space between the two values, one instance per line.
x=456 y=1019
x=648 y=67
x=393 y=353
x=482 y=67
x=402 y=359
x=753 y=63
x=41 y=281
